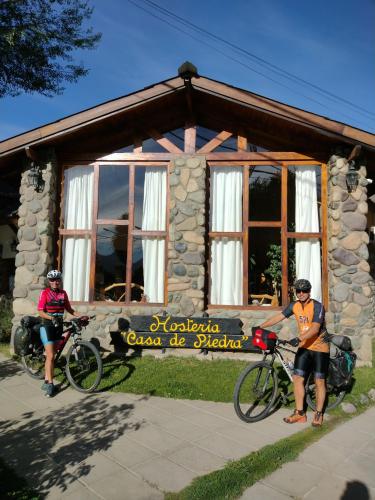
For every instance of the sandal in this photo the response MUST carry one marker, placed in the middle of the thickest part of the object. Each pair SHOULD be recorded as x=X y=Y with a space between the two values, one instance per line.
x=318 y=419
x=298 y=416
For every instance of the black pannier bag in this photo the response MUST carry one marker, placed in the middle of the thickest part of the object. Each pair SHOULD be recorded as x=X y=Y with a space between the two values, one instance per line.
x=341 y=341
x=341 y=368
x=22 y=340
x=27 y=335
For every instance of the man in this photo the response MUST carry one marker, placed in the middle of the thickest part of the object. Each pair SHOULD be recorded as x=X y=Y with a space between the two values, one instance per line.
x=312 y=353
x=53 y=301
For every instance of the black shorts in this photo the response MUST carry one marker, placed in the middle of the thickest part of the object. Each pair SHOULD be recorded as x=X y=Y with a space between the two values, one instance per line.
x=307 y=361
x=50 y=333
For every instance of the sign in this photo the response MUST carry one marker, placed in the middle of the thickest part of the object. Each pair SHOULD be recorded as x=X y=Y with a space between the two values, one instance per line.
x=181 y=332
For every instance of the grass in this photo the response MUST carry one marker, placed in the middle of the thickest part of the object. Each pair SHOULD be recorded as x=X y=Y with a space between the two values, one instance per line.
x=4 y=349
x=231 y=481
x=13 y=486
x=6 y=315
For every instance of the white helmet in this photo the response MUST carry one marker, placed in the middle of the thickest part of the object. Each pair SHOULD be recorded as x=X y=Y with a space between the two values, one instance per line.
x=54 y=275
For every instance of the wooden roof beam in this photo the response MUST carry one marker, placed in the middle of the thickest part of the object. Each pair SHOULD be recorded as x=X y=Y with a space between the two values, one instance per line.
x=215 y=142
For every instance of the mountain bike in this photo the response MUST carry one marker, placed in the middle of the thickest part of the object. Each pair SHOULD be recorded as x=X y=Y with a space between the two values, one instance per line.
x=83 y=364
x=256 y=390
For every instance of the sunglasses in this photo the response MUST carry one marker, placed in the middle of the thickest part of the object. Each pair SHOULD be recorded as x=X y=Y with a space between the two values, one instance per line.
x=299 y=290
x=55 y=279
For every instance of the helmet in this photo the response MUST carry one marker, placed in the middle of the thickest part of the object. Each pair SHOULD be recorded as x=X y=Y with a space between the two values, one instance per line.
x=54 y=275
x=302 y=284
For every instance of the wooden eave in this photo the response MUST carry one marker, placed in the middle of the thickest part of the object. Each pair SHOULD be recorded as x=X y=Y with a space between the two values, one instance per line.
x=164 y=105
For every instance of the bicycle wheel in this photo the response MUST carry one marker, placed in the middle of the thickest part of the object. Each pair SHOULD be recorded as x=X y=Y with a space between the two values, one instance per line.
x=84 y=366
x=33 y=364
x=255 y=392
x=334 y=397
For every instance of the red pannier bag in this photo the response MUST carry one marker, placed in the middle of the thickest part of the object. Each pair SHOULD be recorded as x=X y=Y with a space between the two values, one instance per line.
x=263 y=339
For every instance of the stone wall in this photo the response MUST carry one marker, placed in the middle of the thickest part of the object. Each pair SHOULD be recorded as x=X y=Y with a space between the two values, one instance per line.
x=351 y=306
x=351 y=287
x=37 y=214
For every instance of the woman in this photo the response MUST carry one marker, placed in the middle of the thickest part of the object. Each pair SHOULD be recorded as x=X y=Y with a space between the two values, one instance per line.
x=53 y=301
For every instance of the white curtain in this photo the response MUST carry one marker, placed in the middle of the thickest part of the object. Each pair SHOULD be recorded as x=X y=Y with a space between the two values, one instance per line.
x=153 y=219
x=78 y=187
x=226 y=254
x=308 y=260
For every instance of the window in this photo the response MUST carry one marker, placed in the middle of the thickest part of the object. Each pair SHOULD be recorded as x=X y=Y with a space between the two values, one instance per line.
x=265 y=231
x=114 y=232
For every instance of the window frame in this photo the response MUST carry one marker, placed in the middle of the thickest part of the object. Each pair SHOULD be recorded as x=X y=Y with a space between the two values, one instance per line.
x=282 y=224
x=132 y=232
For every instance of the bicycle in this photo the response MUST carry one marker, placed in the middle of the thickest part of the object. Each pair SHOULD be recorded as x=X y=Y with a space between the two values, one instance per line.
x=256 y=389
x=83 y=364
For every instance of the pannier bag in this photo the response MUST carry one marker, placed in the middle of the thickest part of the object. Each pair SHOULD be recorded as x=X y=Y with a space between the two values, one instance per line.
x=341 y=368
x=27 y=335
x=341 y=341
x=263 y=339
x=22 y=340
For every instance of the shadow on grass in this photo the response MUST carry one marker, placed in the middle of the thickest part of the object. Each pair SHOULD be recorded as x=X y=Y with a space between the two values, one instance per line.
x=111 y=366
x=52 y=451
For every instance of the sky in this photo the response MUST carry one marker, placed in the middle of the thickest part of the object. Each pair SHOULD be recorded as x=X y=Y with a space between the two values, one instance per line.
x=330 y=44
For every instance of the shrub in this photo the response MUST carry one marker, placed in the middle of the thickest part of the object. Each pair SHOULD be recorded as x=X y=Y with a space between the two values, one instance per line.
x=6 y=315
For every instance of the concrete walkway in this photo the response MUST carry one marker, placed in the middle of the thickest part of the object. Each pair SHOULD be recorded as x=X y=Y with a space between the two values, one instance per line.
x=124 y=446
x=340 y=466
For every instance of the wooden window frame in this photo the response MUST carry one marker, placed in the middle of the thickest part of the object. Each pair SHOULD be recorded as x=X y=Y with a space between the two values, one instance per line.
x=282 y=224
x=132 y=232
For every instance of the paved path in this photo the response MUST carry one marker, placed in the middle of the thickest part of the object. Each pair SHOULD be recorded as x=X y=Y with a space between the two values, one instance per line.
x=124 y=446
x=341 y=466
x=118 y=446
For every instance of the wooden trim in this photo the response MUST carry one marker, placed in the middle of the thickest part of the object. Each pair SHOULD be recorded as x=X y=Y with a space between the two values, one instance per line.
x=304 y=236
x=241 y=143
x=93 y=234
x=324 y=240
x=245 y=232
x=166 y=240
x=164 y=142
x=190 y=139
x=75 y=232
x=215 y=142
x=156 y=234
x=234 y=156
x=112 y=222
x=284 y=238
x=129 y=255
x=229 y=234
x=245 y=308
x=261 y=223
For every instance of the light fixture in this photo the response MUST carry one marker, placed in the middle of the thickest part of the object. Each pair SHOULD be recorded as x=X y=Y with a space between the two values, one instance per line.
x=35 y=177
x=352 y=177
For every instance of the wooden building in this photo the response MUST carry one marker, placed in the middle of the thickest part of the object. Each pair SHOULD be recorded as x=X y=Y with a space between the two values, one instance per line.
x=192 y=196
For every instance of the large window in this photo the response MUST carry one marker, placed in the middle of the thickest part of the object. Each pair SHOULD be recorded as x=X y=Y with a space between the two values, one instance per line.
x=266 y=230
x=113 y=232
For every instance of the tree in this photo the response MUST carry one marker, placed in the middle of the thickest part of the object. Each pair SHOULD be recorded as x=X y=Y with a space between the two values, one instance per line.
x=37 y=38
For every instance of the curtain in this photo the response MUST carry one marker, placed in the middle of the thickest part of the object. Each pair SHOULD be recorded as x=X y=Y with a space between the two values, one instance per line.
x=308 y=260
x=226 y=254
x=78 y=187
x=153 y=219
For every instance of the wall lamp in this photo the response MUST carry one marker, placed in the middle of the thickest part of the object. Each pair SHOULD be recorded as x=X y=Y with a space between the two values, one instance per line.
x=35 y=177
x=352 y=176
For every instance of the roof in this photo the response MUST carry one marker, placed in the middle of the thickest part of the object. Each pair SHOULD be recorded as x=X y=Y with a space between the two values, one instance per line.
x=168 y=98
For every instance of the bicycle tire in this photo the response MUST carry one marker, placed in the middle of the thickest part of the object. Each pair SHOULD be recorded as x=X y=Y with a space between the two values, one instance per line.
x=335 y=395
x=84 y=367
x=33 y=365
x=246 y=392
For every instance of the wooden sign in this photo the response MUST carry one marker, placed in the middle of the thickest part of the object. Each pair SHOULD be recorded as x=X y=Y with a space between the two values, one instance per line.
x=172 y=324
x=181 y=332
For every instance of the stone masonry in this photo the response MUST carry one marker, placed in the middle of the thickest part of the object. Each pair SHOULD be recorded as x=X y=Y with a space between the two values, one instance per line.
x=351 y=288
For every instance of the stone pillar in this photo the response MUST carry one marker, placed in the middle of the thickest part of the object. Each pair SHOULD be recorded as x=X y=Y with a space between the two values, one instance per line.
x=351 y=297
x=37 y=214
x=186 y=248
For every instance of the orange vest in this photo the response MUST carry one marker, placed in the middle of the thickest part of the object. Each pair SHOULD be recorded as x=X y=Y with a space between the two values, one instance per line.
x=304 y=317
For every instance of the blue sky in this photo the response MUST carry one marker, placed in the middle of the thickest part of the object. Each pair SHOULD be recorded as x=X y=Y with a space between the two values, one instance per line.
x=328 y=43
